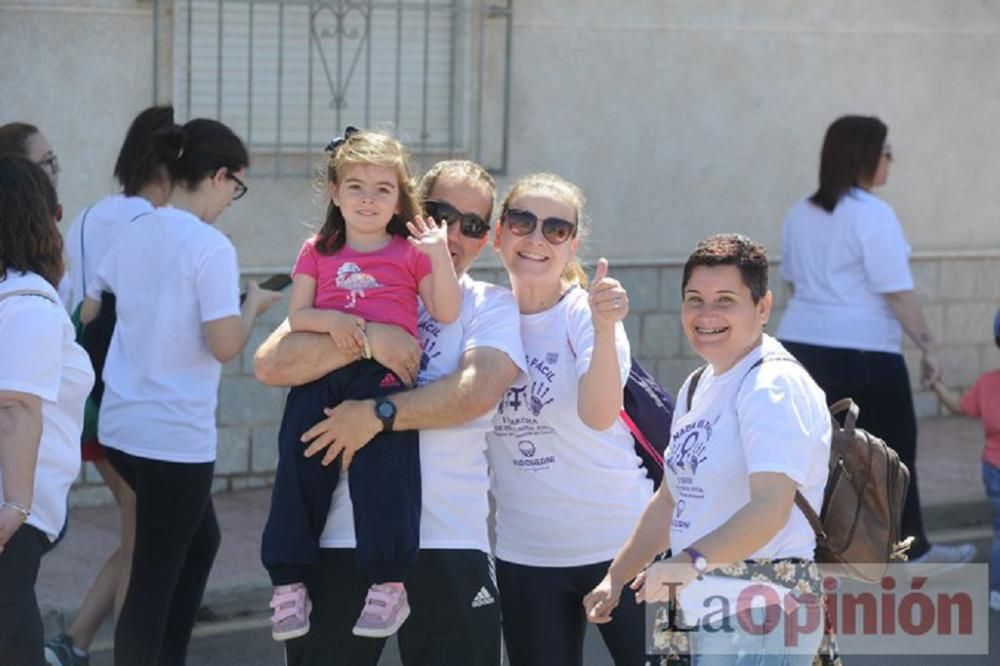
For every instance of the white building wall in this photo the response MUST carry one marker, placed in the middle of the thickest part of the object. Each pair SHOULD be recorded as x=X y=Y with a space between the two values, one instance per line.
x=678 y=118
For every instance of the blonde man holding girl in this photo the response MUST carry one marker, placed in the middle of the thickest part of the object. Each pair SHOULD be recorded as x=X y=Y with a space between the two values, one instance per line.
x=464 y=369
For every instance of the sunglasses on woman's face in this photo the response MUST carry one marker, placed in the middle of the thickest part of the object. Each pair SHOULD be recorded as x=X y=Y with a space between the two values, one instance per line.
x=472 y=226
x=523 y=222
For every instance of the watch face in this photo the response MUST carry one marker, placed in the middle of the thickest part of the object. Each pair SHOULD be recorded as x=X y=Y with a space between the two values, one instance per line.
x=701 y=564
x=386 y=409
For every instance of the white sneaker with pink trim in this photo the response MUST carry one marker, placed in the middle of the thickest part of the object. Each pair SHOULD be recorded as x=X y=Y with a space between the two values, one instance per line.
x=386 y=608
x=291 y=607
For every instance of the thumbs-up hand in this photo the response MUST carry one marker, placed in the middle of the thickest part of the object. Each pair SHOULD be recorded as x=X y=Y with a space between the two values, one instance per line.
x=608 y=298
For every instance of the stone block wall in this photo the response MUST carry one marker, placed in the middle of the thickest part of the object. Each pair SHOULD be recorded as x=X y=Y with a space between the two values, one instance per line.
x=959 y=295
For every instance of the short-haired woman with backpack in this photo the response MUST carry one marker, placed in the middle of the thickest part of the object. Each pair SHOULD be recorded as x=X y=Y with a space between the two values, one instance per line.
x=750 y=430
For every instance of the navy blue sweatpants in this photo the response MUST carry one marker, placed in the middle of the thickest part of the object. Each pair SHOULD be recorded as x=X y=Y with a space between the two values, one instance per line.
x=384 y=484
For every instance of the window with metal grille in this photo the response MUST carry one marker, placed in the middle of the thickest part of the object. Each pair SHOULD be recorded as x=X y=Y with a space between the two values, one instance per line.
x=288 y=76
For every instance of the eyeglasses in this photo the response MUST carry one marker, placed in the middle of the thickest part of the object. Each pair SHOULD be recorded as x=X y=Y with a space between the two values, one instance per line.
x=472 y=226
x=241 y=187
x=523 y=222
x=887 y=151
x=50 y=162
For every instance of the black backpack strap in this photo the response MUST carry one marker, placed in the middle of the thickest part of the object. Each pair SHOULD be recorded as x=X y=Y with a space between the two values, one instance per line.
x=693 y=384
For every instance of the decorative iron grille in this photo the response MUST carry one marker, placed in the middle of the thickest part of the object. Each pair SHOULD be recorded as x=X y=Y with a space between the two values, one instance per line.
x=288 y=76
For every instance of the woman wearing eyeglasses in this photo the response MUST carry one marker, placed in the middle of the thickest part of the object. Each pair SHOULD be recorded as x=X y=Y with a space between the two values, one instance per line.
x=846 y=261
x=566 y=478
x=27 y=140
x=176 y=282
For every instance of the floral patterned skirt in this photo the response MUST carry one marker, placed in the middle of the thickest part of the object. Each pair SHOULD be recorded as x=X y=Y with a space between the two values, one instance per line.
x=799 y=576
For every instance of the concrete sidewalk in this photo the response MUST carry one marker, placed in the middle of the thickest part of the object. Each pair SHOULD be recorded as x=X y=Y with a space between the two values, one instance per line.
x=950 y=487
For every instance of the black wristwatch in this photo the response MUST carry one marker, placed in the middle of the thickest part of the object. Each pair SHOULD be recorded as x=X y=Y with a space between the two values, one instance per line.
x=385 y=410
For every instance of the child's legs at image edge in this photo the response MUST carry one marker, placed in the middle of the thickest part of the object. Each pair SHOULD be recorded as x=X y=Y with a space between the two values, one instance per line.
x=385 y=488
x=991 y=482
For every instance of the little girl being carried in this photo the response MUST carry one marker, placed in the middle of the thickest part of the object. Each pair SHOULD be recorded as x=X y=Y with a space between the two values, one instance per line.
x=374 y=255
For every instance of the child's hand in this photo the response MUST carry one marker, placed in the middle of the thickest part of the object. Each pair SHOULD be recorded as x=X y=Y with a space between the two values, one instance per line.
x=428 y=236
x=347 y=331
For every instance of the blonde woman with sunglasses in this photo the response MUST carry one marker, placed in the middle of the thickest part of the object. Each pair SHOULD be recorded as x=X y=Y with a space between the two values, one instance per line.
x=566 y=477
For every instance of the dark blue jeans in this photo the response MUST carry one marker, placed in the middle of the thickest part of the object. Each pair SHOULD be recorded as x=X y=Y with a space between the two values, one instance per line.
x=384 y=484
x=991 y=480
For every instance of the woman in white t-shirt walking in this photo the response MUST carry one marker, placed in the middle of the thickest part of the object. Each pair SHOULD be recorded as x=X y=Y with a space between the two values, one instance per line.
x=44 y=380
x=846 y=261
x=145 y=185
x=176 y=281
x=752 y=431
x=567 y=481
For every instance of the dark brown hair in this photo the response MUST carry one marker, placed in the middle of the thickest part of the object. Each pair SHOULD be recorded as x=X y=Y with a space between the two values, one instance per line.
x=29 y=237
x=852 y=149
x=198 y=149
x=14 y=138
x=731 y=250
x=359 y=149
x=138 y=164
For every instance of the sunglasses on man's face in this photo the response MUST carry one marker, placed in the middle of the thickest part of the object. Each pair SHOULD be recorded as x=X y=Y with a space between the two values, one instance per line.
x=472 y=226
x=523 y=222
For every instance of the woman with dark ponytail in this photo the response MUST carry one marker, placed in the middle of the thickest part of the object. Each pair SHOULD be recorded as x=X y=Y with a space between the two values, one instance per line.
x=145 y=185
x=176 y=282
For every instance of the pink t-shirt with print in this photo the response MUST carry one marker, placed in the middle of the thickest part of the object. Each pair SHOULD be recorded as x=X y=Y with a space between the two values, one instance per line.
x=983 y=402
x=379 y=286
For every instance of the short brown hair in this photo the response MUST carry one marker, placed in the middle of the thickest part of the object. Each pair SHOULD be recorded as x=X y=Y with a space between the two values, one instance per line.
x=14 y=138
x=737 y=250
x=29 y=238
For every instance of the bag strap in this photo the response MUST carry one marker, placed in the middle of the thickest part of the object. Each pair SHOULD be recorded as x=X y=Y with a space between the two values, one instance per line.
x=693 y=384
x=28 y=292
x=641 y=438
x=83 y=251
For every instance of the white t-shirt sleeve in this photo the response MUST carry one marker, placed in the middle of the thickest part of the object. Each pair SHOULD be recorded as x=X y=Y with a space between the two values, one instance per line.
x=218 y=283
x=103 y=277
x=580 y=329
x=497 y=325
x=781 y=424
x=31 y=344
x=886 y=254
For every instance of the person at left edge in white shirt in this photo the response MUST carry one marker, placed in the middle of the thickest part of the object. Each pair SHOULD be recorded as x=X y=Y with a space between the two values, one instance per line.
x=567 y=481
x=753 y=435
x=44 y=380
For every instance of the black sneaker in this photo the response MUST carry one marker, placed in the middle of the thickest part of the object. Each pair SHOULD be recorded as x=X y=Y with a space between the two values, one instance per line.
x=59 y=652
